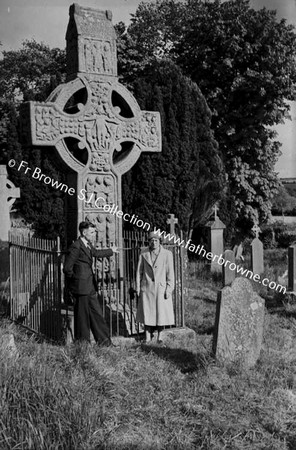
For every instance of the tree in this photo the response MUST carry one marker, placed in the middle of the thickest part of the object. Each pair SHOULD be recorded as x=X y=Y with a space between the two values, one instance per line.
x=169 y=182
x=244 y=63
x=151 y=36
x=283 y=202
x=39 y=205
x=32 y=72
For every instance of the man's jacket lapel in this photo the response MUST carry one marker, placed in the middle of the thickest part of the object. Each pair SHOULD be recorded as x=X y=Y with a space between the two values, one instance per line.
x=87 y=251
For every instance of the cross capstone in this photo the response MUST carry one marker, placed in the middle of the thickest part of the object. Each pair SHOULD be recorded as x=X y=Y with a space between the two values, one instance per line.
x=256 y=229
x=215 y=209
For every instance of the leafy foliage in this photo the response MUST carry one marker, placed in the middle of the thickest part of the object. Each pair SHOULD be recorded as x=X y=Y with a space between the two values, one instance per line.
x=278 y=234
x=172 y=181
x=244 y=63
x=39 y=204
x=32 y=72
x=283 y=202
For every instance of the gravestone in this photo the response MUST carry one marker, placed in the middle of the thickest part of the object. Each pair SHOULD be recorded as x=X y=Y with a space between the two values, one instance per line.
x=95 y=125
x=228 y=270
x=257 y=261
x=292 y=268
x=8 y=348
x=8 y=195
x=239 y=324
x=238 y=252
x=216 y=239
x=172 y=222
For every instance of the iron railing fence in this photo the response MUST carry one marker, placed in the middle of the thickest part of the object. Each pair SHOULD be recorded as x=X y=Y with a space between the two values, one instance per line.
x=36 y=283
x=39 y=300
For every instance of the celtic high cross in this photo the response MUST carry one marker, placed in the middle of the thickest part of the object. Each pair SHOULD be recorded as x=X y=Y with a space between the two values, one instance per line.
x=94 y=123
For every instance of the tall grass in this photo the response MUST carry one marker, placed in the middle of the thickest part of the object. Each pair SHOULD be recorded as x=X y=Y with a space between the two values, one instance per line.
x=86 y=397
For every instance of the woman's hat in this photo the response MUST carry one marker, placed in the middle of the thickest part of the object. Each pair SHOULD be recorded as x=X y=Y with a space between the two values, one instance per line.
x=154 y=235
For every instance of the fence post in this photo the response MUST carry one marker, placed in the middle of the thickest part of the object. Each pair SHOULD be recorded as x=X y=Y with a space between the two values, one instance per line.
x=292 y=268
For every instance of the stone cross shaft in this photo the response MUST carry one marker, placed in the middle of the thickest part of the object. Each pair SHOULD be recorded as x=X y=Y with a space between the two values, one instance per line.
x=94 y=123
x=8 y=195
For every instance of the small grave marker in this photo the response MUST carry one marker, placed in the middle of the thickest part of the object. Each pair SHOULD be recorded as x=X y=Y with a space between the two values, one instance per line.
x=257 y=260
x=172 y=221
x=217 y=239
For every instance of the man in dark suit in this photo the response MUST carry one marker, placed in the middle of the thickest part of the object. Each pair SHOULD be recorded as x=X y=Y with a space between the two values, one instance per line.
x=82 y=284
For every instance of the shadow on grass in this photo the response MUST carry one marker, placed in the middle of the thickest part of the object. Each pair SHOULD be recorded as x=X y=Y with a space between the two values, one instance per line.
x=185 y=361
x=283 y=312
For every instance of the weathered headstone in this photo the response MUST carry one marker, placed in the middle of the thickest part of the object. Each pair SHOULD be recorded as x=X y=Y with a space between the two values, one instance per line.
x=257 y=261
x=238 y=251
x=8 y=195
x=239 y=324
x=216 y=239
x=95 y=124
x=228 y=270
x=8 y=347
x=292 y=268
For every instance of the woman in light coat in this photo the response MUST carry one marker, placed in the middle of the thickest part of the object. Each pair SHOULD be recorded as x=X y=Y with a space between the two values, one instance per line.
x=155 y=284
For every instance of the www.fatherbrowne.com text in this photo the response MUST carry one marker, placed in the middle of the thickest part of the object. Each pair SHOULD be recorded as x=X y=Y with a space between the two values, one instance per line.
x=200 y=250
x=100 y=203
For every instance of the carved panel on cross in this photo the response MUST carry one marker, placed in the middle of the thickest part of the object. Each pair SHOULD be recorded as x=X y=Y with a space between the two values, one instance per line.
x=97 y=56
x=105 y=227
x=100 y=98
x=99 y=23
x=100 y=162
x=99 y=191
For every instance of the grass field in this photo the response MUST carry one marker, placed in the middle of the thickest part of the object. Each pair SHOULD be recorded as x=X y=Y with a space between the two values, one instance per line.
x=85 y=397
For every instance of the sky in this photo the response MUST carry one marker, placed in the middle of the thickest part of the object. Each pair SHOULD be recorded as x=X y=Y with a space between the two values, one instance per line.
x=46 y=21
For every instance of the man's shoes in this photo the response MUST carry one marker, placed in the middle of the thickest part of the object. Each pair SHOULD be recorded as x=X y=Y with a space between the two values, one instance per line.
x=107 y=343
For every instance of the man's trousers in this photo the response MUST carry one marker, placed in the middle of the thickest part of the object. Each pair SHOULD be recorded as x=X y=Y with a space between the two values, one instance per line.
x=88 y=316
